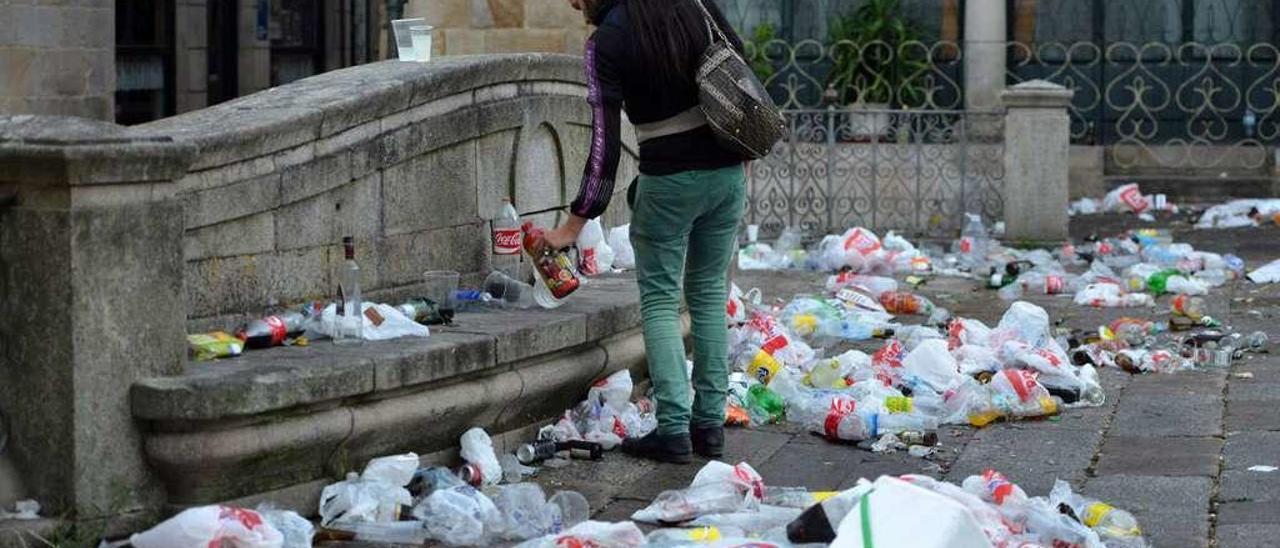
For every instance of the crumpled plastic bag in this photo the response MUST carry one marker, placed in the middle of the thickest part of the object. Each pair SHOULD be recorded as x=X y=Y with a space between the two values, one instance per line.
x=1107 y=295
x=591 y=534
x=362 y=501
x=1266 y=274
x=461 y=516
x=932 y=366
x=619 y=240
x=900 y=513
x=477 y=449
x=718 y=488
x=380 y=322
x=1126 y=198
x=211 y=526
x=296 y=530
x=394 y=469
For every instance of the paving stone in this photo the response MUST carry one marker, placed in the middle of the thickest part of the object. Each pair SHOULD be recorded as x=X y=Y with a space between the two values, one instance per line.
x=752 y=446
x=619 y=510
x=1246 y=485
x=1185 y=383
x=1171 y=511
x=1254 y=390
x=1159 y=456
x=1167 y=414
x=1029 y=455
x=894 y=464
x=600 y=481
x=1252 y=415
x=1252 y=535
x=1246 y=449
x=817 y=466
x=661 y=477
x=1249 y=512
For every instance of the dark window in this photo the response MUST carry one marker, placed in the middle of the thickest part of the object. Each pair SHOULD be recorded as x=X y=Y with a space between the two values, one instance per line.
x=224 y=50
x=144 y=60
x=297 y=47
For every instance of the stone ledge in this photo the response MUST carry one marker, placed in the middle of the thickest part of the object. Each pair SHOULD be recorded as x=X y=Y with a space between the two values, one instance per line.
x=282 y=378
x=290 y=418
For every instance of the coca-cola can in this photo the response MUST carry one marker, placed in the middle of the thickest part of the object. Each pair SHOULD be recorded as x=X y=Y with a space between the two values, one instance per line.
x=470 y=474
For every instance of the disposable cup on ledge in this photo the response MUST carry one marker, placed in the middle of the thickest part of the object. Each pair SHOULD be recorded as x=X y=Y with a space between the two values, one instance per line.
x=512 y=293
x=404 y=42
x=421 y=35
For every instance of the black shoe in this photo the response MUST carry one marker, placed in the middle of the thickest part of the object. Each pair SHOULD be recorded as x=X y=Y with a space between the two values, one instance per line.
x=708 y=441
x=670 y=448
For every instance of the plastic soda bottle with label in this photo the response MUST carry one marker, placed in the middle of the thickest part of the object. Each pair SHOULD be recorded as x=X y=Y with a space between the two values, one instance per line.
x=553 y=268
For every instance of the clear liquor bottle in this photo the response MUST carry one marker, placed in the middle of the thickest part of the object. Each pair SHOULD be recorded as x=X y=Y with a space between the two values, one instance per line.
x=349 y=320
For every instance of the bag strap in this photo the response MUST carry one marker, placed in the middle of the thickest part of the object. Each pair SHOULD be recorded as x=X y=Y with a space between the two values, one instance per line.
x=713 y=29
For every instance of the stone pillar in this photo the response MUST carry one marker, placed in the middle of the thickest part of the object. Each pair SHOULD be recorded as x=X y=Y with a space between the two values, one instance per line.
x=91 y=300
x=58 y=58
x=1037 y=139
x=191 y=55
x=985 y=37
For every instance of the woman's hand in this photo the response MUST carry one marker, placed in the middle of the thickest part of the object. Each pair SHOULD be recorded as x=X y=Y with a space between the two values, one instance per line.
x=564 y=235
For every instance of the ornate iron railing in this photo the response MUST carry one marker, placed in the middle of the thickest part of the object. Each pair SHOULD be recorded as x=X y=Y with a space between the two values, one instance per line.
x=915 y=171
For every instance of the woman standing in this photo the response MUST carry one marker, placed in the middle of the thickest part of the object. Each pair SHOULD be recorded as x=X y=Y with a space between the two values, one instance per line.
x=686 y=203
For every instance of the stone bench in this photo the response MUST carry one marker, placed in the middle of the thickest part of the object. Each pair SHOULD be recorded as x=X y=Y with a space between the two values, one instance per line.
x=281 y=423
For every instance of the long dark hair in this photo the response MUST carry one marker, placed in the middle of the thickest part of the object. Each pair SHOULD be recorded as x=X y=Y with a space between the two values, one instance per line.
x=670 y=37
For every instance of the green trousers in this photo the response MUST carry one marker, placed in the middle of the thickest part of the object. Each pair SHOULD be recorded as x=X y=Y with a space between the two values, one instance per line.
x=684 y=228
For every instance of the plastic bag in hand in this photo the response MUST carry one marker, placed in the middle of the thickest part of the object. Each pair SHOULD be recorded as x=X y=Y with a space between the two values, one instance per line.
x=595 y=255
x=477 y=449
x=211 y=526
x=624 y=256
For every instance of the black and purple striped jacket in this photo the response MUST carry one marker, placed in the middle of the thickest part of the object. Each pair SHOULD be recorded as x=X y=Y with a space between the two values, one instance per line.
x=616 y=82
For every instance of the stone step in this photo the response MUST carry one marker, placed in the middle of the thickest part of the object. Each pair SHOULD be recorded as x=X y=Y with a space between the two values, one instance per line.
x=1199 y=188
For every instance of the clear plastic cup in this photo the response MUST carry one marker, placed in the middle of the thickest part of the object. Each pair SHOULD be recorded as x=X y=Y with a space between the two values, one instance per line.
x=440 y=286
x=421 y=36
x=512 y=293
x=404 y=42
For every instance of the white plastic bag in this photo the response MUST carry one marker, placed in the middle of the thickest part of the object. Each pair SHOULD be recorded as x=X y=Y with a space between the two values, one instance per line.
x=477 y=449
x=296 y=530
x=380 y=323
x=613 y=391
x=932 y=365
x=596 y=256
x=624 y=256
x=718 y=488
x=360 y=501
x=1126 y=198
x=460 y=516
x=593 y=533
x=396 y=470
x=1266 y=274
x=898 y=513
x=211 y=526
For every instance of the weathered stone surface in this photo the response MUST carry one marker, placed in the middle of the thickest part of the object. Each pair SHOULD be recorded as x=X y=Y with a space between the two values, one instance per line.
x=433 y=191
x=1139 y=456
x=1230 y=513
x=1246 y=449
x=519 y=40
x=1253 y=535
x=403 y=258
x=551 y=14
x=1168 y=415
x=1252 y=415
x=1031 y=454
x=206 y=207
x=1036 y=135
x=1247 y=485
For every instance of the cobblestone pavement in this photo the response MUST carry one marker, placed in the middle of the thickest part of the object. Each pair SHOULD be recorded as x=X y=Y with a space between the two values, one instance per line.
x=1173 y=449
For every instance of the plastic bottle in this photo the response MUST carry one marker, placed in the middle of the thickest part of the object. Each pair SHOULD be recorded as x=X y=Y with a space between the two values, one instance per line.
x=835 y=416
x=694 y=536
x=271 y=330
x=595 y=255
x=973 y=242
x=902 y=302
x=1108 y=521
x=1189 y=307
x=1157 y=282
x=506 y=240
x=1036 y=283
x=764 y=405
x=553 y=268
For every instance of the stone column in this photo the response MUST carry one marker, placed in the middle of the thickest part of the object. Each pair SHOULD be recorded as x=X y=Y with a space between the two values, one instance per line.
x=255 y=53
x=985 y=37
x=91 y=281
x=1037 y=135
